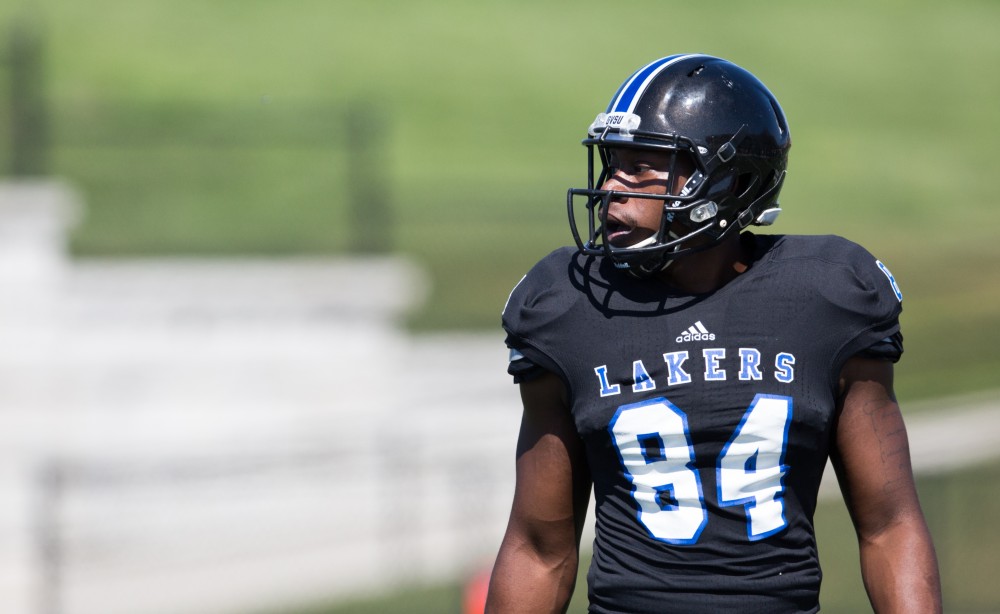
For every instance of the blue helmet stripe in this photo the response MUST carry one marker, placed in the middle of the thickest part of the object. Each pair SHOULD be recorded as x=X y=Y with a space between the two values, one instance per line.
x=631 y=90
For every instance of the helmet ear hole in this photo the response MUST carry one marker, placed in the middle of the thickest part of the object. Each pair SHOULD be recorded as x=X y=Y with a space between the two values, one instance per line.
x=743 y=184
x=765 y=185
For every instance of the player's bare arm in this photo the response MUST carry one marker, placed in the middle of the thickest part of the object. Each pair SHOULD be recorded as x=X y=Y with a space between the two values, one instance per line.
x=872 y=459
x=537 y=564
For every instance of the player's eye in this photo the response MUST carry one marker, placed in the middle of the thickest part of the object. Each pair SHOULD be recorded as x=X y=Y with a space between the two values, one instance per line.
x=646 y=169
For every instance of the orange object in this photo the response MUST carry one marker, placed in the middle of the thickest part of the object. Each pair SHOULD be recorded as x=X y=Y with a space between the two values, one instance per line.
x=474 y=597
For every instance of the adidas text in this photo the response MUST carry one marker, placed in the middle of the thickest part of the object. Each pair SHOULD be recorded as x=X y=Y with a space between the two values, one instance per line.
x=689 y=336
x=696 y=332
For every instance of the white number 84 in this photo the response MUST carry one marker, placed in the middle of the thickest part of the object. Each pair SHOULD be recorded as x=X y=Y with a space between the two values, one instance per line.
x=654 y=447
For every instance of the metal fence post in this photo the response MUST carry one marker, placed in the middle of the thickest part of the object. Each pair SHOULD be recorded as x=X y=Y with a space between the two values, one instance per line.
x=51 y=485
x=29 y=138
x=368 y=175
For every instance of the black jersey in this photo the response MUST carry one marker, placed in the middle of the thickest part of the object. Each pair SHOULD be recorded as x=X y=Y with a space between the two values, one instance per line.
x=707 y=419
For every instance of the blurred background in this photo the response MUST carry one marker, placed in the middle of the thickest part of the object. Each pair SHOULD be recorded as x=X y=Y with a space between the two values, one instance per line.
x=253 y=256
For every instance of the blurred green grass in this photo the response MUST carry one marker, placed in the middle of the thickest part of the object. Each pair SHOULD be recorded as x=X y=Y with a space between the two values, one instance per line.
x=217 y=128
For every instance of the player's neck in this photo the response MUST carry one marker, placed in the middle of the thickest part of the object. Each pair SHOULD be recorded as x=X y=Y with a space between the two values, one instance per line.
x=707 y=271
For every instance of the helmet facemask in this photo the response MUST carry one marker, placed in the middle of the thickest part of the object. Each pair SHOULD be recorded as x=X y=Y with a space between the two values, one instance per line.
x=687 y=218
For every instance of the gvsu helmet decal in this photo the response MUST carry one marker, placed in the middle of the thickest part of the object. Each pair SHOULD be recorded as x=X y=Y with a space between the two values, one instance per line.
x=719 y=116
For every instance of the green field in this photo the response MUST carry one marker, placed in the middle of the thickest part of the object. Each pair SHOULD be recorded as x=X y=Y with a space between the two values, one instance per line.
x=222 y=127
x=219 y=128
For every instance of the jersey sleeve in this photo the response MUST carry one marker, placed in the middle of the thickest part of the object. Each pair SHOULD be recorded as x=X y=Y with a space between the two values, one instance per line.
x=531 y=319
x=872 y=301
x=890 y=348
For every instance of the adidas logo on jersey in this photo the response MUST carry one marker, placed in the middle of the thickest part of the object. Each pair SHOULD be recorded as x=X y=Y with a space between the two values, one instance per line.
x=696 y=332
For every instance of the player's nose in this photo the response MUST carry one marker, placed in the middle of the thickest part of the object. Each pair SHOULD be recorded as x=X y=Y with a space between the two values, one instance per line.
x=619 y=182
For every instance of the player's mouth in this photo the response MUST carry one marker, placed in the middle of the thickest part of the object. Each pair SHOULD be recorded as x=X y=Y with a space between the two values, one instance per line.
x=619 y=232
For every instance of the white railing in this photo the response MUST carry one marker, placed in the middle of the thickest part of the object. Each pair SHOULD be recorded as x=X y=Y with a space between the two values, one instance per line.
x=191 y=435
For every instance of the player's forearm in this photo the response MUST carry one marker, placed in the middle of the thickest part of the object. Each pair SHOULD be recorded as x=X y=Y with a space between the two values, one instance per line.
x=525 y=581
x=900 y=569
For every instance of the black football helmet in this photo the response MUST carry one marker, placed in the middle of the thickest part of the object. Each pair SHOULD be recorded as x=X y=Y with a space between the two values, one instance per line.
x=720 y=116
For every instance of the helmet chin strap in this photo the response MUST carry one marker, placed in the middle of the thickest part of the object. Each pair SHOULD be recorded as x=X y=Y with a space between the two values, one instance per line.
x=645 y=242
x=642 y=271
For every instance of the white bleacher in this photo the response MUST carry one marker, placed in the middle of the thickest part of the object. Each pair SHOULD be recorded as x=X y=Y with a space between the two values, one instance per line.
x=205 y=435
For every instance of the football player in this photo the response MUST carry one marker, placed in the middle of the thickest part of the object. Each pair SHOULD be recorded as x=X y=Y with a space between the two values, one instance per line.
x=697 y=376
